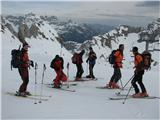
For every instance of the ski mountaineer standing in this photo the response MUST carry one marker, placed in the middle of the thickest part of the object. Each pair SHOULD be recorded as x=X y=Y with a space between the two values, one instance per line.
x=57 y=64
x=92 y=61
x=23 y=70
x=117 y=71
x=138 y=75
x=79 y=65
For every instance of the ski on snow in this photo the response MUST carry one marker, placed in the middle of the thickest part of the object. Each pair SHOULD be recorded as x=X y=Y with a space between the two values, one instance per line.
x=83 y=80
x=63 y=89
x=122 y=97
x=27 y=97
x=105 y=87
x=70 y=84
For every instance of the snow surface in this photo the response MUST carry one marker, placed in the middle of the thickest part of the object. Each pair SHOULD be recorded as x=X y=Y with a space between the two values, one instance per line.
x=87 y=102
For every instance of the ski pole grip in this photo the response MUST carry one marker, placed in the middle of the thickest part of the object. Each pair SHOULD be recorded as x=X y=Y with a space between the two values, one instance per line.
x=44 y=66
x=36 y=65
x=68 y=65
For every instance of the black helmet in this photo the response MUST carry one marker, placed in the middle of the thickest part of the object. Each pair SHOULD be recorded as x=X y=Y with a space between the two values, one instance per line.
x=57 y=56
x=135 y=49
x=83 y=51
x=90 y=48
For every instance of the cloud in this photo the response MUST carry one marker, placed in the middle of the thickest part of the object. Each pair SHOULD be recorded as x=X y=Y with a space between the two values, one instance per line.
x=118 y=11
x=121 y=15
x=148 y=4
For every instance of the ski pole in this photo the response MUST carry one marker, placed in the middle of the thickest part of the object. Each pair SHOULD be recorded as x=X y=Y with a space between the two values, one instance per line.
x=35 y=87
x=68 y=75
x=87 y=68
x=127 y=94
x=121 y=83
x=44 y=68
x=125 y=85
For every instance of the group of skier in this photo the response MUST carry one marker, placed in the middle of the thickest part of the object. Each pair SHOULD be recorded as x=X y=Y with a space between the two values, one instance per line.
x=138 y=72
x=57 y=65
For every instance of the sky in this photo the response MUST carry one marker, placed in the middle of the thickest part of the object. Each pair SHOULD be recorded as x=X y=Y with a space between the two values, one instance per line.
x=101 y=12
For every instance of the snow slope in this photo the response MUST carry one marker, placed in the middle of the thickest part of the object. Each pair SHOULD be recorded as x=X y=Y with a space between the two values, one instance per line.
x=87 y=102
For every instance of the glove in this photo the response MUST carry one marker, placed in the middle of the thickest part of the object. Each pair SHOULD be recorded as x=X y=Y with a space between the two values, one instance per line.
x=31 y=63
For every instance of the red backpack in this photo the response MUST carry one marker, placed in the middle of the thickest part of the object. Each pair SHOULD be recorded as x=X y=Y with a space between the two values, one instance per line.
x=75 y=58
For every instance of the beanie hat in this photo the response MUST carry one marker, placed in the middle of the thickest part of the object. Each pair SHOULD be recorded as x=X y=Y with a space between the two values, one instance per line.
x=135 y=49
x=25 y=45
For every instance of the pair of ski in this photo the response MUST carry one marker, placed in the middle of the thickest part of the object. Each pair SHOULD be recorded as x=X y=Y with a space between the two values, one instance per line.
x=105 y=87
x=83 y=79
x=50 y=85
x=63 y=89
x=33 y=97
x=123 y=97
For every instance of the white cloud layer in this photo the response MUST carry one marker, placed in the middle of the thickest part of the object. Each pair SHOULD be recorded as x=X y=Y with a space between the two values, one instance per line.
x=86 y=11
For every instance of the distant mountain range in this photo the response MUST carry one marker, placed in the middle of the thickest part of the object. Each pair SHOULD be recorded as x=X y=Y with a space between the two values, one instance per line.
x=75 y=37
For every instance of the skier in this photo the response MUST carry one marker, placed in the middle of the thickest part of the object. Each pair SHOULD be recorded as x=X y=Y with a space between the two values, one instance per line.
x=117 y=65
x=57 y=65
x=23 y=70
x=79 y=65
x=139 y=71
x=92 y=60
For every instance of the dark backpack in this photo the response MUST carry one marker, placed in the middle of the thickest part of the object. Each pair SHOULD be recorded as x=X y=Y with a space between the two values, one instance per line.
x=75 y=58
x=16 y=58
x=111 y=58
x=147 y=59
x=52 y=64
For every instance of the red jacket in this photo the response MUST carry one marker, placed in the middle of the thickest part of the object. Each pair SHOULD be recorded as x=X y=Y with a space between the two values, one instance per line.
x=24 y=59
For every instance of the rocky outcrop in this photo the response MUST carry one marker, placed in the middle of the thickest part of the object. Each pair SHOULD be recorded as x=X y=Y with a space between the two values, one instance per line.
x=9 y=26
x=33 y=30
x=23 y=32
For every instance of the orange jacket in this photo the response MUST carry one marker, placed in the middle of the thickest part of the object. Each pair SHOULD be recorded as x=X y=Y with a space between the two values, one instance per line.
x=118 y=59
x=137 y=59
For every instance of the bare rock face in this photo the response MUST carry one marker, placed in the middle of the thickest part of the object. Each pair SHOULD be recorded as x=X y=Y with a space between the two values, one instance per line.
x=9 y=26
x=23 y=32
x=34 y=30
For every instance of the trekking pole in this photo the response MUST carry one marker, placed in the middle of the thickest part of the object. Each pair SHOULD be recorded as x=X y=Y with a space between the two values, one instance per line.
x=68 y=75
x=61 y=50
x=125 y=85
x=35 y=87
x=121 y=83
x=127 y=94
x=87 y=68
x=44 y=69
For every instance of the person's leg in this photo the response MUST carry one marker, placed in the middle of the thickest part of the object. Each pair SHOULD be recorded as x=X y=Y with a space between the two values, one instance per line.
x=25 y=78
x=135 y=79
x=63 y=77
x=118 y=75
x=81 y=70
x=77 y=74
x=111 y=80
x=143 y=89
x=58 y=77
x=92 y=75
x=113 y=76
